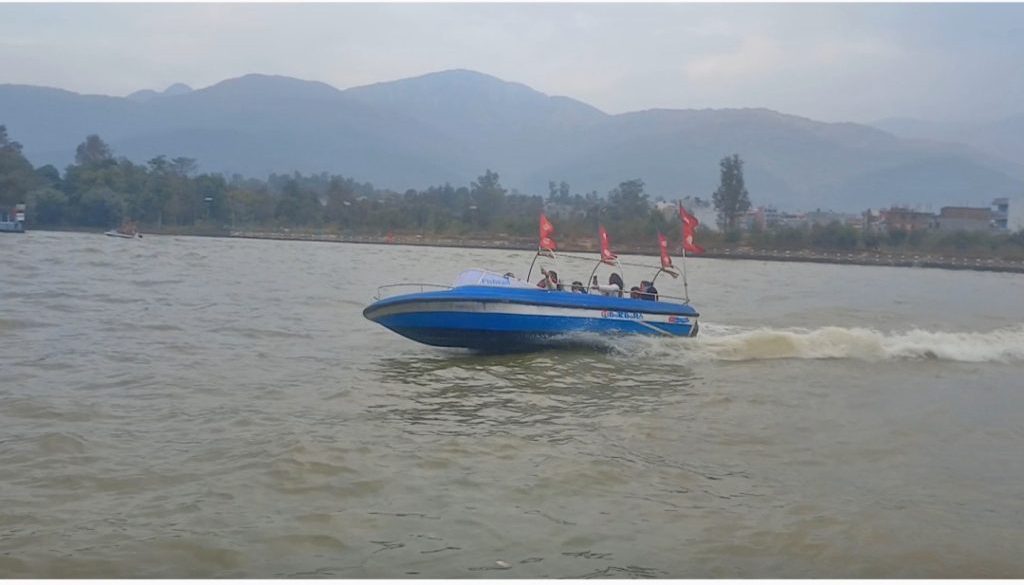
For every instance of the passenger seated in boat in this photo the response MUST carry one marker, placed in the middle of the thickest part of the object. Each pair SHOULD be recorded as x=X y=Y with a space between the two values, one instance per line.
x=613 y=288
x=615 y=280
x=634 y=293
x=646 y=291
x=550 y=280
x=577 y=287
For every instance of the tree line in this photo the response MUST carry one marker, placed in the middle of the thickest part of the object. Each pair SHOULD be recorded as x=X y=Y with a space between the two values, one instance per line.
x=101 y=190
x=839 y=237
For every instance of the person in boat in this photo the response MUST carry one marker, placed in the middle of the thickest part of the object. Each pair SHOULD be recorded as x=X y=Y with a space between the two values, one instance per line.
x=651 y=292
x=613 y=288
x=577 y=287
x=646 y=291
x=634 y=293
x=550 y=280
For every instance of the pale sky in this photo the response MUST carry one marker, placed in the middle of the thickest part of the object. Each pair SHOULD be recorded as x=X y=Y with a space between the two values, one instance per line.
x=834 y=62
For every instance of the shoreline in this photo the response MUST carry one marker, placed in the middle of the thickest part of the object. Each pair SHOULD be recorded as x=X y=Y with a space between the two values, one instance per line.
x=740 y=253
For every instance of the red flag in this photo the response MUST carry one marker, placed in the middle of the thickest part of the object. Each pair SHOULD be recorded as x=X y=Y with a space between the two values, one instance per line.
x=606 y=252
x=546 y=229
x=690 y=224
x=666 y=261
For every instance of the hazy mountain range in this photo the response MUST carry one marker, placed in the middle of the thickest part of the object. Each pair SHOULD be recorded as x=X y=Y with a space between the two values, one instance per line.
x=451 y=126
x=147 y=94
x=1002 y=138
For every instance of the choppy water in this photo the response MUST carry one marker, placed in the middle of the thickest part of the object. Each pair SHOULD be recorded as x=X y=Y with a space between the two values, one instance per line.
x=188 y=407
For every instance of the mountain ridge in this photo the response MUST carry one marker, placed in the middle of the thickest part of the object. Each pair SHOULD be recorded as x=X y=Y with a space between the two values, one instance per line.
x=148 y=94
x=448 y=126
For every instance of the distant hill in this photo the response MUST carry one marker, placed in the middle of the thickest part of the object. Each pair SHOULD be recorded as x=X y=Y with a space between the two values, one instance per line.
x=1002 y=138
x=450 y=126
x=144 y=95
x=504 y=126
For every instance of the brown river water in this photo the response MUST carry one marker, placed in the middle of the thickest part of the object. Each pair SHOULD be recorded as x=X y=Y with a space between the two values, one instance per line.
x=201 y=407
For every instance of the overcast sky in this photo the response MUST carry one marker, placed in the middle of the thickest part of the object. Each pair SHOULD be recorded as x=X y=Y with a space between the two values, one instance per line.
x=830 y=62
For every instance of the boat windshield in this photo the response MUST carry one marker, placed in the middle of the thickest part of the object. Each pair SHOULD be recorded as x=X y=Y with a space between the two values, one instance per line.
x=478 y=277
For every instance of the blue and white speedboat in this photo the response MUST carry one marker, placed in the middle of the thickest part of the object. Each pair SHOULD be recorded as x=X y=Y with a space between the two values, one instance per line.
x=489 y=311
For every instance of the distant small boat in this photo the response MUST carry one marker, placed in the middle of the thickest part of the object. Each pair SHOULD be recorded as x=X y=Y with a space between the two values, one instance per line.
x=11 y=227
x=117 y=234
x=127 y=230
x=13 y=222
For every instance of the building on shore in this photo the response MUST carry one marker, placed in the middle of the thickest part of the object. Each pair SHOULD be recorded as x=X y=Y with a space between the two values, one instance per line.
x=964 y=219
x=770 y=217
x=754 y=219
x=819 y=217
x=949 y=219
x=1001 y=213
x=897 y=218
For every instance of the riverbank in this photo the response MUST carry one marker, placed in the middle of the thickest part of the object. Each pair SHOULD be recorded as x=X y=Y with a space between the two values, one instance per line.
x=588 y=246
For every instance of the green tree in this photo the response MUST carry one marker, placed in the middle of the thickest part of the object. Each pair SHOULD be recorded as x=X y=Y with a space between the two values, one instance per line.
x=559 y=192
x=341 y=197
x=46 y=206
x=250 y=204
x=93 y=151
x=101 y=207
x=871 y=240
x=49 y=175
x=17 y=177
x=170 y=194
x=731 y=198
x=563 y=190
x=789 y=237
x=489 y=197
x=298 y=206
x=183 y=166
x=897 y=237
x=628 y=201
x=212 y=197
x=834 y=236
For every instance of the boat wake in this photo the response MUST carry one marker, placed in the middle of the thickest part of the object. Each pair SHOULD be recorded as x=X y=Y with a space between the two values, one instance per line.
x=723 y=343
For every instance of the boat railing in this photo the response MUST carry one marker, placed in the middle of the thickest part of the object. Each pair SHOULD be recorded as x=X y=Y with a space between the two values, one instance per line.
x=643 y=296
x=479 y=276
x=390 y=290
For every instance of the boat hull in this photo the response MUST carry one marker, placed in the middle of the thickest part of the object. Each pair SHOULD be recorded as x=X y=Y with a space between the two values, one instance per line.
x=496 y=319
x=12 y=227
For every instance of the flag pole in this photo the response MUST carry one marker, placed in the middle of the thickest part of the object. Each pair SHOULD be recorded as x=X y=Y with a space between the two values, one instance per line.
x=686 y=290
x=535 y=256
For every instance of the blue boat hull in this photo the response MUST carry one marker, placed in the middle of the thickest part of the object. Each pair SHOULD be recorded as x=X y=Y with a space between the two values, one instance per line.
x=490 y=318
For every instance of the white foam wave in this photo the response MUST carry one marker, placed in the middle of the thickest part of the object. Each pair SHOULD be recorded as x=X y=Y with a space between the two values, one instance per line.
x=718 y=343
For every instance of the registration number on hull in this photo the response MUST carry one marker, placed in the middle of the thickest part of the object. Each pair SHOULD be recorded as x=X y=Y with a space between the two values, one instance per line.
x=622 y=315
